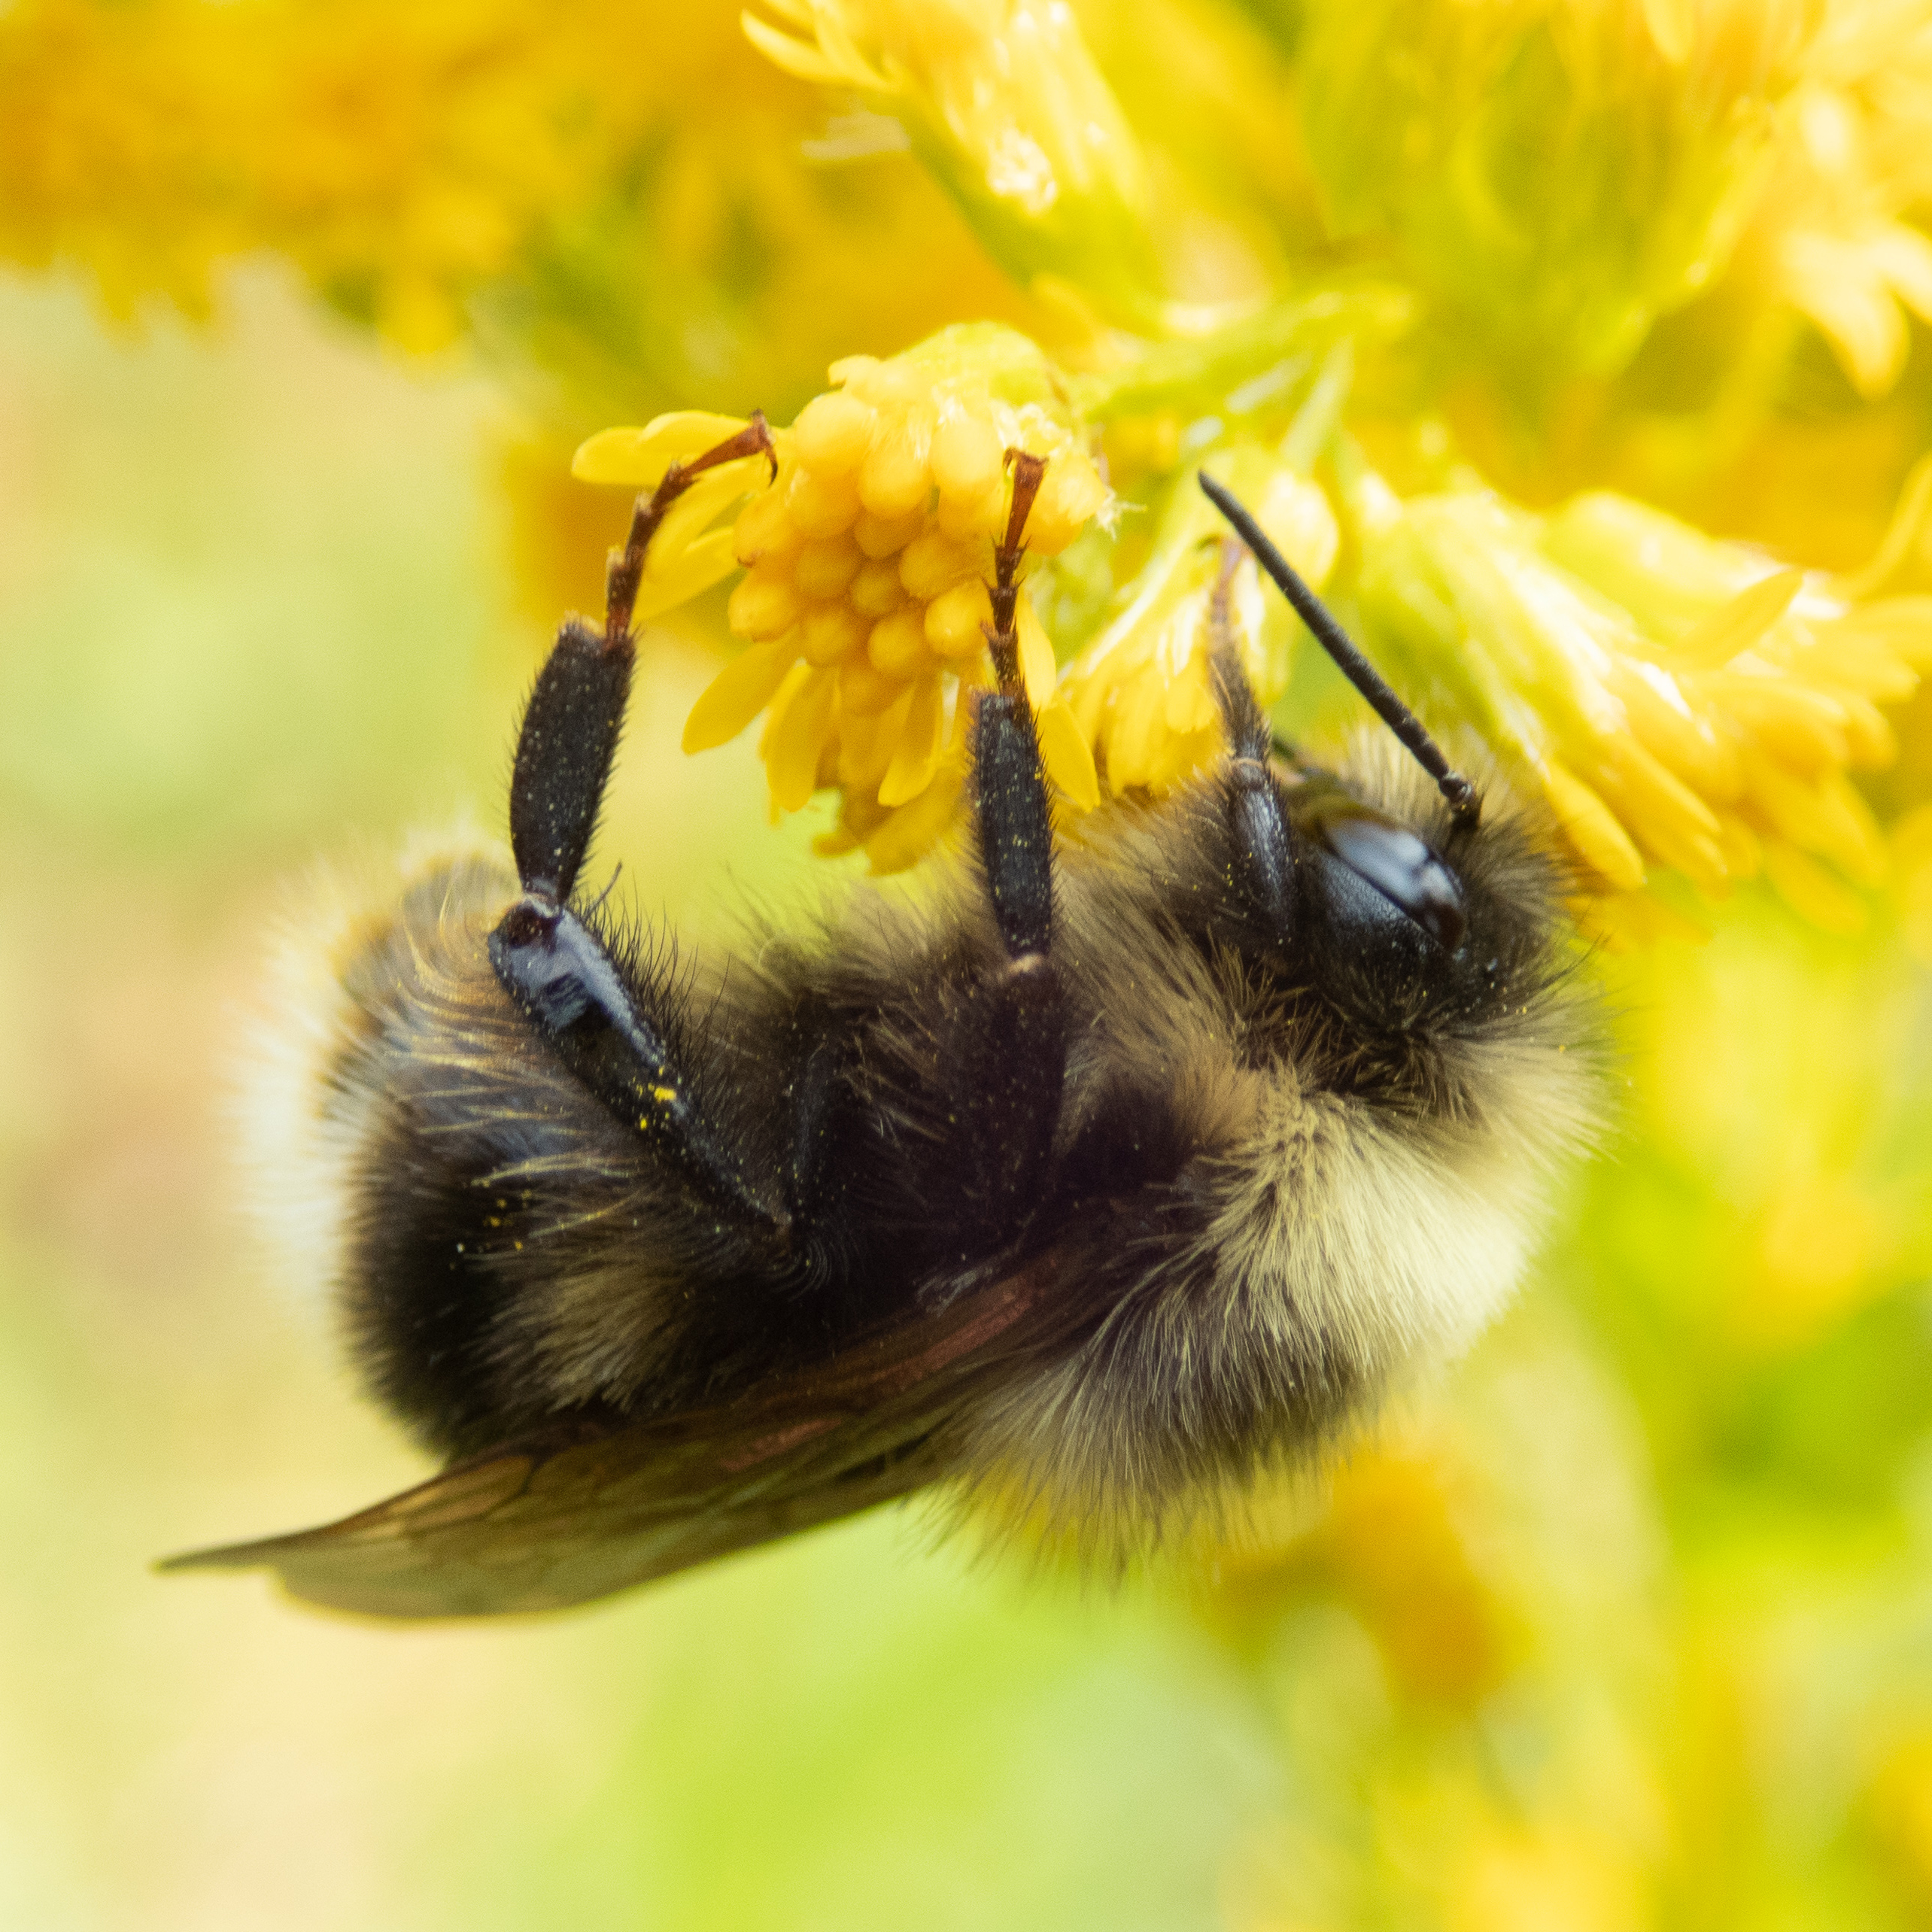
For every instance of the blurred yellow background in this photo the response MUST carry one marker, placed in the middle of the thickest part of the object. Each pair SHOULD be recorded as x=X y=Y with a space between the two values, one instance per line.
x=1626 y=1622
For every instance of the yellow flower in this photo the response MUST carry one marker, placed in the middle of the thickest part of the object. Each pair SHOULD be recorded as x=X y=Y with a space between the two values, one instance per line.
x=1559 y=172
x=1003 y=102
x=1850 y=165
x=689 y=553
x=1141 y=692
x=864 y=602
x=1685 y=702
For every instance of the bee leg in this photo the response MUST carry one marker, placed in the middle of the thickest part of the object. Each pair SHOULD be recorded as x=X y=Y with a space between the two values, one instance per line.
x=571 y=725
x=1014 y=1045
x=1262 y=845
x=547 y=958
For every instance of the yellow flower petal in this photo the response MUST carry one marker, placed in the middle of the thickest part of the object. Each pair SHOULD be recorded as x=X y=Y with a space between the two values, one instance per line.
x=913 y=831
x=1594 y=830
x=1067 y=755
x=1742 y=621
x=865 y=691
x=639 y=457
x=1037 y=669
x=708 y=561
x=738 y=693
x=1808 y=889
x=796 y=736
x=795 y=57
x=917 y=754
x=715 y=491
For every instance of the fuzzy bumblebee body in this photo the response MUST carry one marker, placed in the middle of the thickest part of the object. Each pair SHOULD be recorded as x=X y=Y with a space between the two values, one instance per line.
x=1110 y=1172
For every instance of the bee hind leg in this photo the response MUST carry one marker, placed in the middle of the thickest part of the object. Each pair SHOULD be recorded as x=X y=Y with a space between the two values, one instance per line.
x=1012 y=1048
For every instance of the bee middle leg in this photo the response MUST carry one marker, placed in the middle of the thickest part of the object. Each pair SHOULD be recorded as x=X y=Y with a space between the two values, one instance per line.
x=1012 y=1047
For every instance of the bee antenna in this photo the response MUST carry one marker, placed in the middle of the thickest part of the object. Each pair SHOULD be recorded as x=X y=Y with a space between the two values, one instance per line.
x=1461 y=794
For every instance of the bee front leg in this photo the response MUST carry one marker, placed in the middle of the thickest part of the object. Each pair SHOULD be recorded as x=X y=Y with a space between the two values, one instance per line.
x=617 y=1036
x=1013 y=1048
x=1261 y=845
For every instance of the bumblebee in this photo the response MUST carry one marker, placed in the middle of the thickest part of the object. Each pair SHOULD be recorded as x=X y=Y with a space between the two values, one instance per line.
x=1107 y=1171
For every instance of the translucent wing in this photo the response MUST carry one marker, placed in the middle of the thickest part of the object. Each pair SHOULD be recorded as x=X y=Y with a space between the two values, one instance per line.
x=543 y=1524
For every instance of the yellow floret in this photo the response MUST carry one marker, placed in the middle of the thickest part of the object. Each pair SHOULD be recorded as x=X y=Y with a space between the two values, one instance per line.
x=865 y=600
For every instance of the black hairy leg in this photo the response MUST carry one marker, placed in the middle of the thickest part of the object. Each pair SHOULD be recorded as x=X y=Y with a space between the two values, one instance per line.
x=547 y=958
x=1261 y=851
x=1011 y=1046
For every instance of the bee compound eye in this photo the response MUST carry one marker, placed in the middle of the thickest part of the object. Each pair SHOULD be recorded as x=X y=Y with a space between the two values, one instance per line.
x=1397 y=864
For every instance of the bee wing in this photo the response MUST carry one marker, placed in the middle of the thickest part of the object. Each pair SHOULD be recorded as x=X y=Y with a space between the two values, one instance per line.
x=543 y=1524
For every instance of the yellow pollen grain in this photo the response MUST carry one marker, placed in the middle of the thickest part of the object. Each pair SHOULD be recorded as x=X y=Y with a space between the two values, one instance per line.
x=895 y=478
x=968 y=519
x=967 y=458
x=764 y=532
x=666 y=1093
x=1071 y=494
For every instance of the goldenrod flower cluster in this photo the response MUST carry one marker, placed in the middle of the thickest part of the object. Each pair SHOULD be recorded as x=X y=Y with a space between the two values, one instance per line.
x=1685 y=702
x=420 y=166
x=864 y=605
x=1141 y=691
x=1003 y=100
